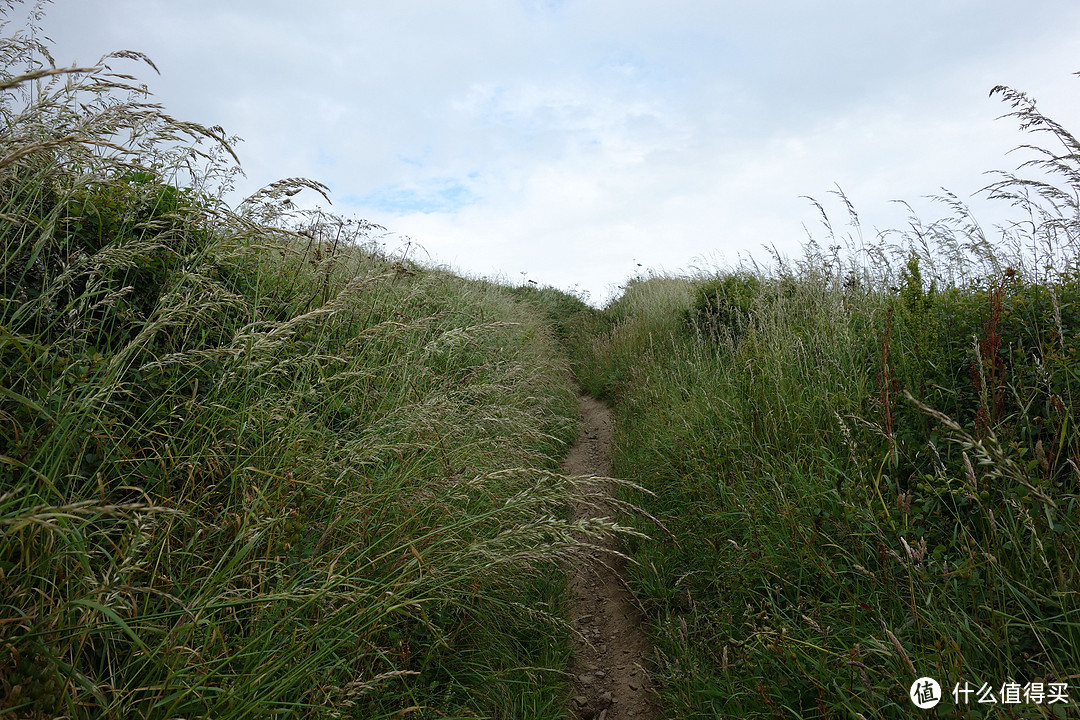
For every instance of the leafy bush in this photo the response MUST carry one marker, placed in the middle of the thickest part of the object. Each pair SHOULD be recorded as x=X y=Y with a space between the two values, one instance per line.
x=723 y=305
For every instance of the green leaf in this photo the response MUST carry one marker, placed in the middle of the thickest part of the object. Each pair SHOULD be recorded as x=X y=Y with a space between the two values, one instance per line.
x=119 y=621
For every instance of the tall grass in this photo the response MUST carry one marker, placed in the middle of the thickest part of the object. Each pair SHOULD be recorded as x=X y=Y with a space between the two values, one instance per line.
x=250 y=467
x=869 y=458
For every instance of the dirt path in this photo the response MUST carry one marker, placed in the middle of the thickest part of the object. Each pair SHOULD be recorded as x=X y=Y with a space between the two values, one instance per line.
x=611 y=651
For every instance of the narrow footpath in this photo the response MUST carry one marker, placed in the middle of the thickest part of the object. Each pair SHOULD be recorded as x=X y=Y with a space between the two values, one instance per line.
x=611 y=651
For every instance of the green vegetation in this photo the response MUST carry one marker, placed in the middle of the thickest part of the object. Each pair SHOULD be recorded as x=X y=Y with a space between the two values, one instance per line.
x=869 y=459
x=250 y=467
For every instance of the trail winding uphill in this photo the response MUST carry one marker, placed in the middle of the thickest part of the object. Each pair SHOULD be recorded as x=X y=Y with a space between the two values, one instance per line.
x=610 y=676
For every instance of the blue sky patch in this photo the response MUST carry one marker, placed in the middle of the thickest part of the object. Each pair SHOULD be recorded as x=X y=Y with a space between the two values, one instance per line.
x=438 y=195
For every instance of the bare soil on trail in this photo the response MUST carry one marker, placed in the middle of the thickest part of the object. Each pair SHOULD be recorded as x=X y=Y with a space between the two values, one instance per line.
x=610 y=666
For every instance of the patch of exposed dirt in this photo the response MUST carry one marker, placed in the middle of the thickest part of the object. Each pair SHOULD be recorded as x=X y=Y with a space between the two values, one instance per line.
x=610 y=666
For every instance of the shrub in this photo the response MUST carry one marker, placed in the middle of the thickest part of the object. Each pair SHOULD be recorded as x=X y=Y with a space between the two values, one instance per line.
x=723 y=305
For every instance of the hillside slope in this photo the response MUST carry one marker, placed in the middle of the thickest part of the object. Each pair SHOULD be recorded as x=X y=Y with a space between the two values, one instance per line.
x=250 y=466
x=870 y=462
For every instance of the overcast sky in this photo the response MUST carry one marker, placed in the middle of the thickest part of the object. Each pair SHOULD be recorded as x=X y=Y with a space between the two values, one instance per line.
x=573 y=140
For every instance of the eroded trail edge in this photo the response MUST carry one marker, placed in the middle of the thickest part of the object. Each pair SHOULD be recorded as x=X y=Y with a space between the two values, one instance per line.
x=611 y=651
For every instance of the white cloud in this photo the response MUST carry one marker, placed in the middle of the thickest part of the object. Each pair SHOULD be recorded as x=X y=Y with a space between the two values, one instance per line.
x=573 y=140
